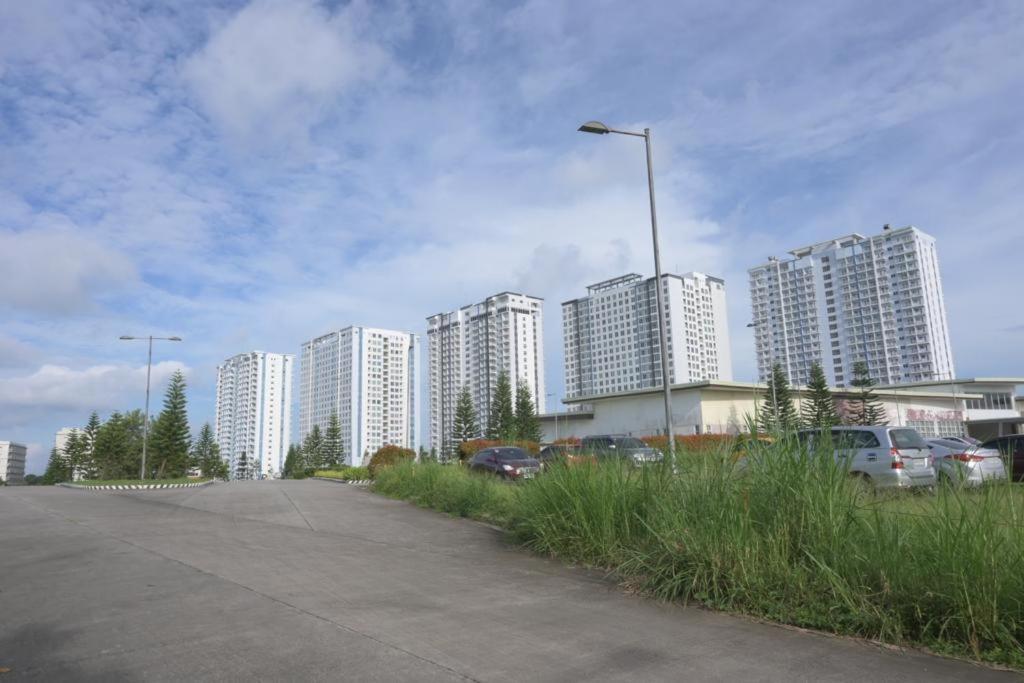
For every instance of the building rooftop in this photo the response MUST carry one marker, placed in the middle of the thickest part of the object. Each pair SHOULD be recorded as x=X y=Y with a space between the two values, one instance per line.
x=756 y=387
x=844 y=241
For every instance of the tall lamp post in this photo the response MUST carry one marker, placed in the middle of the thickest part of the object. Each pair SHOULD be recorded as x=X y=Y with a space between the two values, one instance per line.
x=149 y=370
x=599 y=128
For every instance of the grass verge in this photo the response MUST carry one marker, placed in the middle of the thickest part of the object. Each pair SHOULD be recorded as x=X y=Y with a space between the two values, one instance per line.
x=791 y=539
x=346 y=474
x=124 y=482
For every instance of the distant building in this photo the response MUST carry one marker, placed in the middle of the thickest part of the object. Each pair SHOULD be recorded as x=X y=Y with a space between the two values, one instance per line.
x=471 y=346
x=12 y=462
x=854 y=298
x=253 y=419
x=369 y=377
x=612 y=342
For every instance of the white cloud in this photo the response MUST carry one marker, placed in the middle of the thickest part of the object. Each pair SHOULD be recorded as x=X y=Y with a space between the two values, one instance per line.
x=100 y=387
x=59 y=271
x=277 y=68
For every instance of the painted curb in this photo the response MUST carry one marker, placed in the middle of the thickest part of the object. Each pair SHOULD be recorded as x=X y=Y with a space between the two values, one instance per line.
x=135 y=487
x=356 y=482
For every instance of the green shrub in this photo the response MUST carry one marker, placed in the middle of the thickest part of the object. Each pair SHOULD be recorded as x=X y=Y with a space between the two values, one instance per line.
x=299 y=474
x=389 y=455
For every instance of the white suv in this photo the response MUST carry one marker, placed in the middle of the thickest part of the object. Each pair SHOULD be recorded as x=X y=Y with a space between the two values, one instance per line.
x=885 y=456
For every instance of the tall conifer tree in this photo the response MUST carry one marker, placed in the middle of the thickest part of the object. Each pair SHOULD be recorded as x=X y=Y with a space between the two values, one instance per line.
x=527 y=424
x=777 y=412
x=465 y=427
x=170 y=437
x=818 y=410
x=501 y=423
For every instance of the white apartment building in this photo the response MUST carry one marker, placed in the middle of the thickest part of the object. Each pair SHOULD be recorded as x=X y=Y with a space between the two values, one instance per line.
x=611 y=335
x=12 y=462
x=471 y=346
x=254 y=398
x=855 y=298
x=369 y=378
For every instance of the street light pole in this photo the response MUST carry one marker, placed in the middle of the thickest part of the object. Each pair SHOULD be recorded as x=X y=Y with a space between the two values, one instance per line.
x=556 y=417
x=600 y=129
x=149 y=372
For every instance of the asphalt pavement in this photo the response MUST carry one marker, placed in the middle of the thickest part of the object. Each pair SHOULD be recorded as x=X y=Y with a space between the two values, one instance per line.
x=311 y=580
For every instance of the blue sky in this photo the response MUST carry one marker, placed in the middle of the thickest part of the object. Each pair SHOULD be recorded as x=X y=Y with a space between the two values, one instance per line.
x=250 y=175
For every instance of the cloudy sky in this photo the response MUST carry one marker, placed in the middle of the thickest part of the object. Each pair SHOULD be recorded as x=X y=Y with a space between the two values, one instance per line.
x=250 y=175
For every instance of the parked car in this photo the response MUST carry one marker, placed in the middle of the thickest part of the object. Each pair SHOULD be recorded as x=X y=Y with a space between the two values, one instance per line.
x=507 y=462
x=967 y=464
x=561 y=453
x=965 y=440
x=626 y=448
x=1011 y=447
x=895 y=457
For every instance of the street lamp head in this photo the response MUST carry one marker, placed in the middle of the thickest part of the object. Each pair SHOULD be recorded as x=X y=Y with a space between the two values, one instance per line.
x=753 y=324
x=174 y=339
x=594 y=127
x=125 y=337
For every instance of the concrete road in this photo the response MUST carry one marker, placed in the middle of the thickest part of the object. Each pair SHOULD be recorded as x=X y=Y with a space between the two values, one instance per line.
x=310 y=580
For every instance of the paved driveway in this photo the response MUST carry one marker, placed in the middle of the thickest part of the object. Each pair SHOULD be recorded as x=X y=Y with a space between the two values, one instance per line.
x=310 y=580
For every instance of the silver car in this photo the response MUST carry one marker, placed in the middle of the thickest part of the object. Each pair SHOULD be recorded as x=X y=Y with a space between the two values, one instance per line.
x=887 y=457
x=969 y=465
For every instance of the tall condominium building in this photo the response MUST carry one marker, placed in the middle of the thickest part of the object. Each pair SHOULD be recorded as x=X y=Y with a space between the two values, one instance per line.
x=254 y=419
x=369 y=378
x=473 y=345
x=611 y=335
x=854 y=298
x=12 y=462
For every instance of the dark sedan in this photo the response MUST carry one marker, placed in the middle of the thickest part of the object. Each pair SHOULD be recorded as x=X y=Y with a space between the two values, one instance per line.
x=506 y=462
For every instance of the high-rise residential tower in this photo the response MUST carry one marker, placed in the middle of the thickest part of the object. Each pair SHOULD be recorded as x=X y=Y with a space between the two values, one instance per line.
x=254 y=419
x=369 y=378
x=12 y=462
x=471 y=346
x=611 y=335
x=874 y=299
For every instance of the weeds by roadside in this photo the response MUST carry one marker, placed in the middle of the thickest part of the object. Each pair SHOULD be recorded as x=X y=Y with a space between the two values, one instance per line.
x=791 y=538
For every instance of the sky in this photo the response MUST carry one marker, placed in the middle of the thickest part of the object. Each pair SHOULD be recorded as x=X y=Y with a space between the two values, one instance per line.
x=249 y=175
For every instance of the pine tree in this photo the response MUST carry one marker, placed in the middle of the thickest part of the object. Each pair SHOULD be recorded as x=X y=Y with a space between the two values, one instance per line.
x=777 y=412
x=501 y=423
x=170 y=438
x=312 y=449
x=76 y=456
x=527 y=424
x=333 y=454
x=118 y=446
x=90 y=467
x=866 y=409
x=56 y=469
x=818 y=411
x=465 y=426
x=206 y=453
x=293 y=461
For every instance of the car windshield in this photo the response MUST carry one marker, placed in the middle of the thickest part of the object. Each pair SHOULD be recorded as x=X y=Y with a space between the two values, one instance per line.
x=629 y=442
x=907 y=438
x=512 y=454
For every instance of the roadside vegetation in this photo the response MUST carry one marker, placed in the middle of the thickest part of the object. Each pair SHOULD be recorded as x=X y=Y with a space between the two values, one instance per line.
x=344 y=473
x=789 y=538
x=123 y=482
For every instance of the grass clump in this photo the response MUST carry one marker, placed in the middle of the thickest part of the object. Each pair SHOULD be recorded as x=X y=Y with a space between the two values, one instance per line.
x=450 y=489
x=789 y=537
x=345 y=474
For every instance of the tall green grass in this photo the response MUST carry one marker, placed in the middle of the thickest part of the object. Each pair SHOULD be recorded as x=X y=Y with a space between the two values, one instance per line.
x=788 y=537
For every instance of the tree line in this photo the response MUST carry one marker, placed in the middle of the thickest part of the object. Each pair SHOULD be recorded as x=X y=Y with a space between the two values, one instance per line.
x=819 y=410
x=112 y=449
x=508 y=419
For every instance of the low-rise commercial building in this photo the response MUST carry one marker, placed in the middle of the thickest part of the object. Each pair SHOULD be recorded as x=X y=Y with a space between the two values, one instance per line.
x=728 y=407
x=12 y=462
